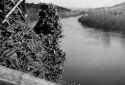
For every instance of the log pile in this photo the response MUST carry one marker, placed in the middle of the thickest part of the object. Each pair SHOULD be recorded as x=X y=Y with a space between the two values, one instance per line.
x=13 y=77
x=11 y=11
x=34 y=51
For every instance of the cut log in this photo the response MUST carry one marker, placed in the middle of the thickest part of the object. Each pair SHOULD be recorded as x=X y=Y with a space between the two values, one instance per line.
x=11 y=11
x=20 y=78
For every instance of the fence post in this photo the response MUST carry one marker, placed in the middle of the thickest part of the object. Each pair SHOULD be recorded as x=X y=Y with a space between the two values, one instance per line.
x=12 y=10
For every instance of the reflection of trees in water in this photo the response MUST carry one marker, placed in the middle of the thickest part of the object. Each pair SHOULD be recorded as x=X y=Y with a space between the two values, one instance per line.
x=122 y=41
x=104 y=36
x=106 y=39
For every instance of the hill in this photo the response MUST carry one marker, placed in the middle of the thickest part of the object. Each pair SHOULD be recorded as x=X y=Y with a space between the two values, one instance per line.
x=106 y=18
x=33 y=11
x=121 y=4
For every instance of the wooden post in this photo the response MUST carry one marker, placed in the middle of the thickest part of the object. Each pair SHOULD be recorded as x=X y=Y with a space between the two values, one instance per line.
x=12 y=10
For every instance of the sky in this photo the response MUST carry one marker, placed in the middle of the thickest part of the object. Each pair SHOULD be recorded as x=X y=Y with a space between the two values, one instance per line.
x=80 y=3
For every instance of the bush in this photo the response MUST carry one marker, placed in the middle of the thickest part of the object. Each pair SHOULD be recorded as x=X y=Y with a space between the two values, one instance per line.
x=50 y=27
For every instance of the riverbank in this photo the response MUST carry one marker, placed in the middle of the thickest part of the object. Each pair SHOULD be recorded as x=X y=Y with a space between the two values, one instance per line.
x=109 y=18
x=71 y=14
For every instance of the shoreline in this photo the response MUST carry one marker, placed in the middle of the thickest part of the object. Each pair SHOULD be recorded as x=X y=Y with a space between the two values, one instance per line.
x=105 y=18
x=115 y=27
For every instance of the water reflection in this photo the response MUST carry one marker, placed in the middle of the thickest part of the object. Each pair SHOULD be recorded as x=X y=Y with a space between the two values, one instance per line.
x=94 y=57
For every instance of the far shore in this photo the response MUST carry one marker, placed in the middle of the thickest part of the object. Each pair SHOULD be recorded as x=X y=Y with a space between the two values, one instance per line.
x=110 y=18
x=70 y=14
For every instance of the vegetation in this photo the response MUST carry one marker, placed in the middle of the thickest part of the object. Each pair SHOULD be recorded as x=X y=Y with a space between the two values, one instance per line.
x=33 y=12
x=34 y=51
x=53 y=57
x=110 y=18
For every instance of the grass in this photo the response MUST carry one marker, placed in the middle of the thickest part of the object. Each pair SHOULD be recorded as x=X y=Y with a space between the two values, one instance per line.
x=111 y=18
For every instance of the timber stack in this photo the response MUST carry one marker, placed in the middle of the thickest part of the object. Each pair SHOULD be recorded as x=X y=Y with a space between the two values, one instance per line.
x=34 y=51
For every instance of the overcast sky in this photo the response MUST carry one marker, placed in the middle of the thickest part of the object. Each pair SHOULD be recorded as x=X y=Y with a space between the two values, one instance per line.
x=80 y=3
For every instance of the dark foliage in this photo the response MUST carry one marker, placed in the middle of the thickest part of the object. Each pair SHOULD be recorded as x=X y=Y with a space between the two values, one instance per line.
x=53 y=58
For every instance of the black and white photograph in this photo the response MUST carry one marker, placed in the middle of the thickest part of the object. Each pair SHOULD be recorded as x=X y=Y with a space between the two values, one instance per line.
x=62 y=42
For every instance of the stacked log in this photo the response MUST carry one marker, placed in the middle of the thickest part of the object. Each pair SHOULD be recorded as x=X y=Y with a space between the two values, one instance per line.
x=12 y=10
x=34 y=51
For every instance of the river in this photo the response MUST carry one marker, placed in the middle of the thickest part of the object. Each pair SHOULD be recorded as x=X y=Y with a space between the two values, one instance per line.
x=93 y=57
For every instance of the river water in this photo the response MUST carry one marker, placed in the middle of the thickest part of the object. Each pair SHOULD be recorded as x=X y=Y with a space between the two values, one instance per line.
x=93 y=57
